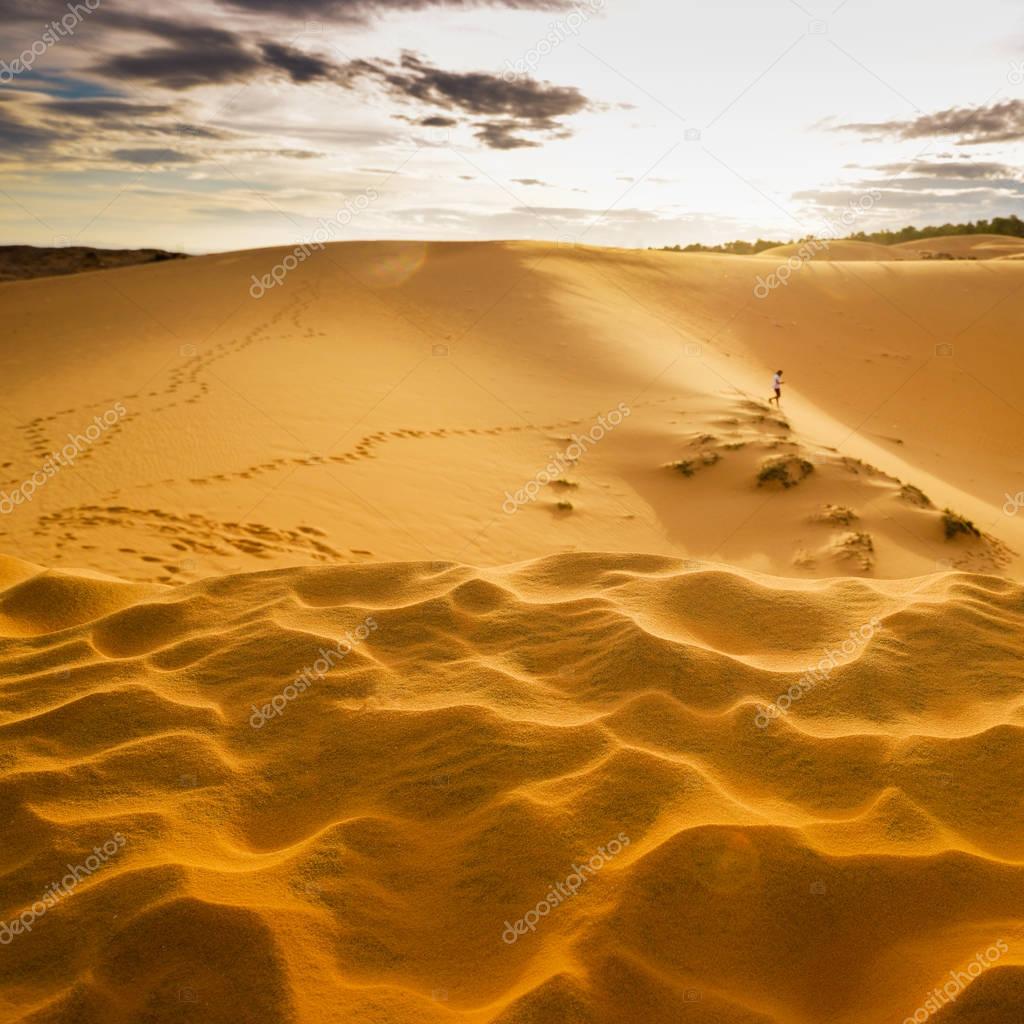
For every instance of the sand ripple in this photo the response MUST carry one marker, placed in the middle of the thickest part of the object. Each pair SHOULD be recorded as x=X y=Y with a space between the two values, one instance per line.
x=359 y=856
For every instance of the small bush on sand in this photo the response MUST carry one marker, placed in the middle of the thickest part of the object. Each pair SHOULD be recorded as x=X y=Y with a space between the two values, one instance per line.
x=787 y=470
x=856 y=547
x=690 y=466
x=956 y=524
x=564 y=506
x=908 y=492
x=838 y=515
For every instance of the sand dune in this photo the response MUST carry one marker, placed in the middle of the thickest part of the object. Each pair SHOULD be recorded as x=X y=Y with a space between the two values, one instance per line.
x=362 y=853
x=837 y=251
x=387 y=398
x=959 y=247
x=978 y=247
x=317 y=703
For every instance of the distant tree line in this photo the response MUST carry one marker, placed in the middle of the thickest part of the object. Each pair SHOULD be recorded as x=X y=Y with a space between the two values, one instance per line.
x=736 y=248
x=1011 y=225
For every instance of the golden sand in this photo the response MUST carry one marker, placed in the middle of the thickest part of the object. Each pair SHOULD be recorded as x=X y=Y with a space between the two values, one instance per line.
x=307 y=717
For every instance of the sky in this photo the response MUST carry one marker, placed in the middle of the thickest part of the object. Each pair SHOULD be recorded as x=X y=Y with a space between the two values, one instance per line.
x=211 y=125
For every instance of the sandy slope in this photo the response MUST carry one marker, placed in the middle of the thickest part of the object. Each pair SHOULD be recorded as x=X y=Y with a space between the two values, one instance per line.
x=361 y=855
x=841 y=250
x=384 y=401
x=978 y=247
x=330 y=789
x=960 y=247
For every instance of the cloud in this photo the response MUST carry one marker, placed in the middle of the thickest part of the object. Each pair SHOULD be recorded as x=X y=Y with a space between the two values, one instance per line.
x=499 y=135
x=952 y=169
x=299 y=66
x=149 y=157
x=513 y=113
x=361 y=11
x=18 y=138
x=998 y=122
x=922 y=184
x=105 y=109
x=189 y=56
x=509 y=108
x=281 y=154
x=475 y=92
x=151 y=49
x=531 y=181
x=978 y=201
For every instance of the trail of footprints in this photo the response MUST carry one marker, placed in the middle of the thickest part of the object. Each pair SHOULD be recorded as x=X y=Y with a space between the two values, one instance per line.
x=185 y=386
x=365 y=448
x=188 y=537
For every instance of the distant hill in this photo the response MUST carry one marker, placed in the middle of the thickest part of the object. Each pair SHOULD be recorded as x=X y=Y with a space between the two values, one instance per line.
x=1005 y=226
x=20 y=262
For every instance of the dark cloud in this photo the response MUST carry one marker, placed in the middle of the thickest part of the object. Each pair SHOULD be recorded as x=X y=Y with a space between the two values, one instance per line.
x=474 y=92
x=149 y=157
x=104 y=109
x=510 y=108
x=195 y=131
x=188 y=56
x=499 y=135
x=999 y=122
x=299 y=66
x=366 y=10
x=133 y=120
x=18 y=138
x=178 y=56
x=918 y=198
x=952 y=169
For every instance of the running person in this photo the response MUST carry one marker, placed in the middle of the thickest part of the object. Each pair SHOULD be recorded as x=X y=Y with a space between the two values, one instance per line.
x=777 y=386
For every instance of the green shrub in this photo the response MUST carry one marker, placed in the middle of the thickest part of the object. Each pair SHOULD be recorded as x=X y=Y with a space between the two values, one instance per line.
x=955 y=524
